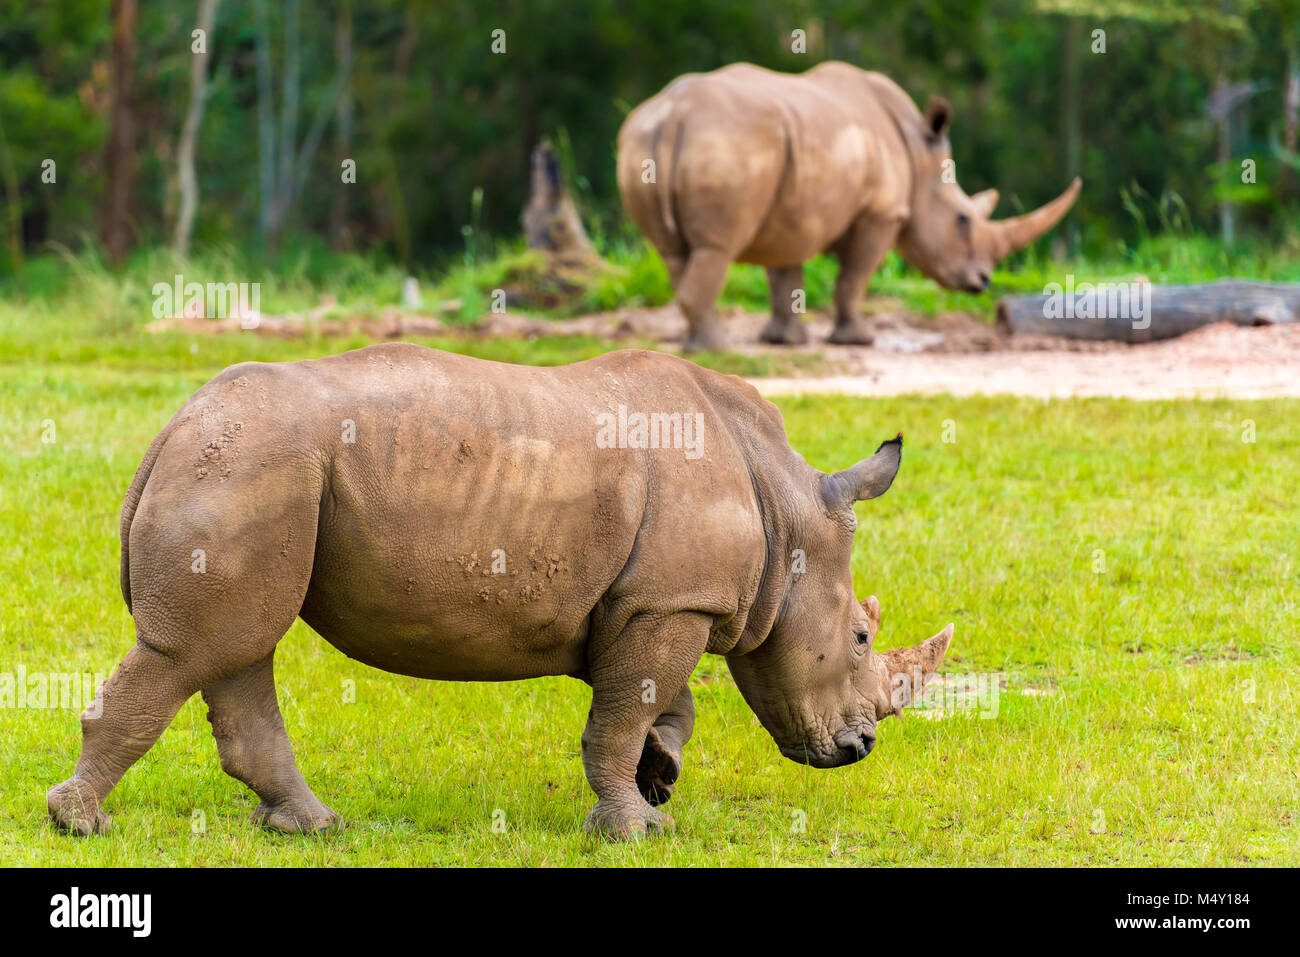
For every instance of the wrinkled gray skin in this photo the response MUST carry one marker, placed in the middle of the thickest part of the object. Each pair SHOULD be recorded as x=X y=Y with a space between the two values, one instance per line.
x=622 y=565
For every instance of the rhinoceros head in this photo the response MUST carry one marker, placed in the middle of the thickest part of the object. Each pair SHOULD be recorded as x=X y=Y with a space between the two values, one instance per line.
x=817 y=683
x=949 y=236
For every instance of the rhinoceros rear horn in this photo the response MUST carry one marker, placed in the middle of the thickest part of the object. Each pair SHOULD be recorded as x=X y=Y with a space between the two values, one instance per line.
x=1019 y=231
x=867 y=479
x=908 y=668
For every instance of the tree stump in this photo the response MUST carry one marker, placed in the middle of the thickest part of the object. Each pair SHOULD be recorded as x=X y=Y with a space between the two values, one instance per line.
x=551 y=220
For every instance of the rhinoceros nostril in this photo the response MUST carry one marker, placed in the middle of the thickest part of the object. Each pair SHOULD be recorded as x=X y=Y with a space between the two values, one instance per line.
x=855 y=745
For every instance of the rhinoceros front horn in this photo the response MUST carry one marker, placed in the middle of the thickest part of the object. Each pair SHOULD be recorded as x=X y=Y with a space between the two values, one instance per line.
x=867 y=479
x=1019 y=231
x=907 y=669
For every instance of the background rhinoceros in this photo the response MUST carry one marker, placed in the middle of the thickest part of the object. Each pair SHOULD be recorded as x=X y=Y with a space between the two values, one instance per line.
x=445 y=517
x=748 y=165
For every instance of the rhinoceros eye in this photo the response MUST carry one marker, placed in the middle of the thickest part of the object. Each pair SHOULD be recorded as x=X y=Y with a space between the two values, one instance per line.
x=863 y=637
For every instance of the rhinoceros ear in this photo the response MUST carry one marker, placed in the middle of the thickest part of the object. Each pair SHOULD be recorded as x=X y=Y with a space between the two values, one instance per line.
x=867 y=479
x=986 y=200
x=938 y=114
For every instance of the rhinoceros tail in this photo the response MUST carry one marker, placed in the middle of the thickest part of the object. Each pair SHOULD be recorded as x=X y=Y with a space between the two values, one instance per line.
x=648 y=144
x=665 y=154
x=133 y=494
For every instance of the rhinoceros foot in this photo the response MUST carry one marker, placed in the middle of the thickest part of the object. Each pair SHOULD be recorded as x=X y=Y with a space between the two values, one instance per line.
x=854 y=332
x=296 y=817
x=626 y=820
x=74 y=806
x=658 y=769
x=705 y=335
x=784 y=332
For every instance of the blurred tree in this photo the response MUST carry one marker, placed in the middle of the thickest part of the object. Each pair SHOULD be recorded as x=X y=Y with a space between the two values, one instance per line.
x=119 y=154
x=189 y=187
x=434 y=102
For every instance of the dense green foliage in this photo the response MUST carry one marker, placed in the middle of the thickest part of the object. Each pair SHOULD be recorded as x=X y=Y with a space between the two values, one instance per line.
x=441 y=127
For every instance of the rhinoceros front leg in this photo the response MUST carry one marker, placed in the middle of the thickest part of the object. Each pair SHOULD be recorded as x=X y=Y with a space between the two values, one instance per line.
x=661 y=755
x=632 y=674
x=785 y=328
x=860 y=252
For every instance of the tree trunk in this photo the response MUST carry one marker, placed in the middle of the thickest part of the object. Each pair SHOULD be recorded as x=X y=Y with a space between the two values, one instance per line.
x=1290 y=125
x=1169 y=311
x=13 y=205
x=287 y=150
x=1227 y=225
x=339 y=234
x=119 y=154
x=190 y=132
x=1072 y=109
x=265 y=119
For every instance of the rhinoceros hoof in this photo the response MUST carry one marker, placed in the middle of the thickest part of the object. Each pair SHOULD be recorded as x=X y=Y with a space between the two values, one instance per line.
x=296 y=817
x=851 y=334
x=789 y=332
x=705 y=339
x=626 y=821
x=75 y=808
x=657 y=771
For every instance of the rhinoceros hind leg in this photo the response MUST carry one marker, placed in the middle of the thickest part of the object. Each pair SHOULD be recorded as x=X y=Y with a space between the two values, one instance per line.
x=785 y=327
x=702 y=280
x=132 y=710
x=658 y=770
x=255 y=749
x=661 y=755
x=630 y=673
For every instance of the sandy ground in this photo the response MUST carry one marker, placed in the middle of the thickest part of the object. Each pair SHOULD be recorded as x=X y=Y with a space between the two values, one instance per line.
x=1216 y=361
x=956 y=354
x=951 y=353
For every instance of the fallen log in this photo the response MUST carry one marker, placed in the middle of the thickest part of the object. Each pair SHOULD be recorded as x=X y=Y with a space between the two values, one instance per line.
x=1141 y=312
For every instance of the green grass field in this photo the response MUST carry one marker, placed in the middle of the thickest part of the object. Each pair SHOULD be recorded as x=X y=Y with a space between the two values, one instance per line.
x=1148 y=711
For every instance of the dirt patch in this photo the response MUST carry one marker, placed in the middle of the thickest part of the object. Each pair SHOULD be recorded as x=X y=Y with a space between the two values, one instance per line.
x=951 y=353
x=1222 y=360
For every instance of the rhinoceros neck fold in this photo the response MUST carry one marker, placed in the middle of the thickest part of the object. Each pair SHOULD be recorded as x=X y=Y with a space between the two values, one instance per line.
x=903 y=116
x=781 y=481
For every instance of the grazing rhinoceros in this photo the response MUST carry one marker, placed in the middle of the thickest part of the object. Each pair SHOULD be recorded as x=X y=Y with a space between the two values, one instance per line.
x=747 y=165
x=444 y=517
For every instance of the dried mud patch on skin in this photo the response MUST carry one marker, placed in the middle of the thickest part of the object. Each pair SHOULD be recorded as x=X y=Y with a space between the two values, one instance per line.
x=218 y=455
x=526 y=584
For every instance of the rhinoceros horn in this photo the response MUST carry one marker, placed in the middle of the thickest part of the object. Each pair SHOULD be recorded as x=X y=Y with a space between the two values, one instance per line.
x=1019 y=231
x=907 y=669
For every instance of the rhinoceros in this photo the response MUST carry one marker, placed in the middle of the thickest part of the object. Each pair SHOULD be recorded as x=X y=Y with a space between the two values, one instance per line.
x=744 y=164
x=449 y=518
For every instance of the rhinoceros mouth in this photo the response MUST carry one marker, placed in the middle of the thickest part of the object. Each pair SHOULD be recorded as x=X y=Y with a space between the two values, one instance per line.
x=850 y=748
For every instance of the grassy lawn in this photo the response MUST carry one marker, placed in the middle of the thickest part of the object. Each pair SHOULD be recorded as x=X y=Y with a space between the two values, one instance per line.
x=1128 y=568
